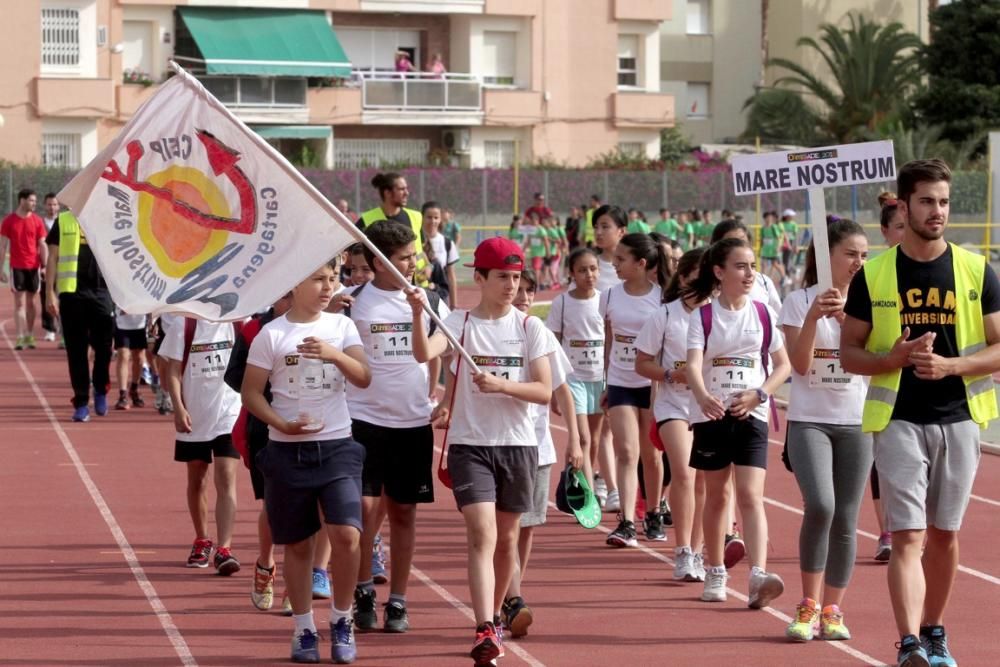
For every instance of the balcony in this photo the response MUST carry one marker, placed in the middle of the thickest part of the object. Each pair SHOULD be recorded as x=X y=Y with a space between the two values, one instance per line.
x=420 y=98
x=424 y=6
x=642 y=10
x=643 y=110
x=129 y=97
x=74 y=98
x=261 y=99
x=506 y=105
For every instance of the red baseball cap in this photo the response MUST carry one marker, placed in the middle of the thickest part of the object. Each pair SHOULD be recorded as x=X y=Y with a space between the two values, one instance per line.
x=498 y=253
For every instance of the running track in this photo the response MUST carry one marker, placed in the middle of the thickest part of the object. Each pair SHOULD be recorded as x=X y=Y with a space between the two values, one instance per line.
x=96 y=533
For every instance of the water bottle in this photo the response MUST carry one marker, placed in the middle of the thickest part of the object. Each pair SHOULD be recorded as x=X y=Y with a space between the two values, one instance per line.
x=311 y=395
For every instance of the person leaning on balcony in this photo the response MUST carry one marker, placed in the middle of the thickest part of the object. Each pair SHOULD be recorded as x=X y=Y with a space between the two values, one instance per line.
x=436 y=66
x=394 y=193
x=403 y=62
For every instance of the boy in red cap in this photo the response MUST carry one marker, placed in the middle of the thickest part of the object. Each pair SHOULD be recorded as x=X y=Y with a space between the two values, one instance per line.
x=491 y=447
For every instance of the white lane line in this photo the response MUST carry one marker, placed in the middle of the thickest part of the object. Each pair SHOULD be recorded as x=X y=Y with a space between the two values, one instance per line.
x=166 y=621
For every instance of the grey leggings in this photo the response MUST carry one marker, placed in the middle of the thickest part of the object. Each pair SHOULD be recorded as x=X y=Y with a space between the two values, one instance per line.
x=831 y=465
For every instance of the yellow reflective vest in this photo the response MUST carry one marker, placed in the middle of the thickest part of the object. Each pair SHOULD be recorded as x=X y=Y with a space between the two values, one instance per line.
x=970 y=334
x=69 y=253
x=371 y=216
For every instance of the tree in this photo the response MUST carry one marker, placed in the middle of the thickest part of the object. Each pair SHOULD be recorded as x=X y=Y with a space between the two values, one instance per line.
x=963 y=64
x=873 y=70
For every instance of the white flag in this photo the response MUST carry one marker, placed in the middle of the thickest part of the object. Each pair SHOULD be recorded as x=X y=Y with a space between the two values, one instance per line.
x=190 y=210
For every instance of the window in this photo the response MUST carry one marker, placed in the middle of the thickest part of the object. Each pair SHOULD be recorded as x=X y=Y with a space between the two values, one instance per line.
x=499 y=58
x=698 y=17
x=60 y=37
x=137 y=40
x=375 y=50
x=498 y=154
x=698 y=99
x=61 y=150
x=359 y=153
x=257 y=91
x=628 y=61
x=633 y=148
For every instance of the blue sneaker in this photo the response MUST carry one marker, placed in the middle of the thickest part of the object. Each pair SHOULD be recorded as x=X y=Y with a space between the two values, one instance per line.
x=101 y=404
x=911 y=653
x=935 y=642
x=321 y=584
x=343 y=649
x=81 y=414
x=305 y=647
x=379 y=575
x=147 y=375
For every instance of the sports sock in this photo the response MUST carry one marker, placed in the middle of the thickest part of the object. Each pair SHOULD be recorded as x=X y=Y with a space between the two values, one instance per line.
x=396 y=597
x=754 y=571
x=336 y=614
x=366 y=586
x=716 y=569
x=304 y=622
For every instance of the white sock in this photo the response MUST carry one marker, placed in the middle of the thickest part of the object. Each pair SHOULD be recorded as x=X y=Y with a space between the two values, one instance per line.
x=716 y=569
x=336 y=614
x=304 y=622
x=754 y=571
x=679 y=550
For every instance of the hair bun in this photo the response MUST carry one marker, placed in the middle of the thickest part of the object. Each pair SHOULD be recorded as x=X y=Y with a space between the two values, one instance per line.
x=886 y=197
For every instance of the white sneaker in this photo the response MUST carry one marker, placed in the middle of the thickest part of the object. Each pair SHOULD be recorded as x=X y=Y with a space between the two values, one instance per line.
x=699 y=567
x=764 y=588
x=50 y=337
x=715 y=585
x=684 y=568
x=600 y=490
x=614 y=503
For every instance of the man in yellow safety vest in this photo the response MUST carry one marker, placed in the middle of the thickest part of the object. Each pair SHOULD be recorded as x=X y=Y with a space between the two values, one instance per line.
x=923 y=320
x=394 y=195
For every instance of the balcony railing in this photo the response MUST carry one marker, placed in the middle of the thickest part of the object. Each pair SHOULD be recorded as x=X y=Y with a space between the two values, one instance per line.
x=257 y=92
x=420 y=91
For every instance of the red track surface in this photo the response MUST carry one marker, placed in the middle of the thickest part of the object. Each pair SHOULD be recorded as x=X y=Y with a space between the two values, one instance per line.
x=71 y=592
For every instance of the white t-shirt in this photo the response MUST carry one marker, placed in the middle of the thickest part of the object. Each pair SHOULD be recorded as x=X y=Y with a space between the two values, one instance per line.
x=168 y=320
x=445 y=254
x=625 y=315
x=827 y=395
x=607 y=277
x=664 y=336
x=397 y=396
x=582 y=327
x=561 y=367
x=128 y=322
x=505 y=346
x=275 y=350
x=732 y=360
x=213 y=406
x=763 y=290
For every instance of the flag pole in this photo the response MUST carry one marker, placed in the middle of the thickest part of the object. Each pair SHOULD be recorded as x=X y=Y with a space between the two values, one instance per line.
x=325 y=204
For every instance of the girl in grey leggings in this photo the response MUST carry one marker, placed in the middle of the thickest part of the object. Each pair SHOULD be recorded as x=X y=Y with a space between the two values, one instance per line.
x=827 y=451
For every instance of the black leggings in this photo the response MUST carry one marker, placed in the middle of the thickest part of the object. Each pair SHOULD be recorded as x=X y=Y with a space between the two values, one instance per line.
x=666 y=474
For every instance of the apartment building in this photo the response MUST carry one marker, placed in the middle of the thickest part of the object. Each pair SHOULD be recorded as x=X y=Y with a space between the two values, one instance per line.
x=537 y=79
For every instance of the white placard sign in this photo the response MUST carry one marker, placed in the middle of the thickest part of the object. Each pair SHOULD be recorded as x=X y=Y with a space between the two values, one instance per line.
x=813 y=169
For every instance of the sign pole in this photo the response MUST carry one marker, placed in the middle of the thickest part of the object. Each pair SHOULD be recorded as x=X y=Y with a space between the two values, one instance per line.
x=821 y=242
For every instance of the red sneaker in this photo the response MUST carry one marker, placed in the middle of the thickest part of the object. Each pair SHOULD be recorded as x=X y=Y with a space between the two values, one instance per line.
x=488 y=645
x=201 y=552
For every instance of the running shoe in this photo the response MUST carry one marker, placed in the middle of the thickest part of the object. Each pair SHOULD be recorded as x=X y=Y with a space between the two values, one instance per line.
x=49 y=337
x=379 y=575
x=343 y=650
x=262 y=593
x=122 y=403
x=30 y=342
x=684 y=565
x=652 y=526
x=81 y=414
x=806 y=622
x=832 y=626
x=19 y=343
x=365 y=616
x=305 y=647
x=517 y=616
x=168 y=404
x=395 y=619
x=665 y=515
x=935 y=643
x=158 y=395
x=225 y=562
x=137 y=401
x=715 y=585
x=623 y=535
x=911 y=653
x=201 y=552
x=884 y=551
x=101 y=404
x=286 y=605
x=488 y=645
x=321 y=584
x=764 y=588
x=600 y=490
x=147 y=375
x=614 y=502
x=735 y=551
x=699 y=566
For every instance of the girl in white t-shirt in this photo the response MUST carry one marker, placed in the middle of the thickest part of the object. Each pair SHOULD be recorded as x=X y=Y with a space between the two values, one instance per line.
x=576 y=321
x=827 y=451
x=731 y=392
x=625 y=308
x=763 y=289
x=662 y=357
x=311 y=464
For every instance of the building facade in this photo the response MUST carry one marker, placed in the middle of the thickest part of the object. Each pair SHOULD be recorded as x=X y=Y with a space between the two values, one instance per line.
x=528 y=80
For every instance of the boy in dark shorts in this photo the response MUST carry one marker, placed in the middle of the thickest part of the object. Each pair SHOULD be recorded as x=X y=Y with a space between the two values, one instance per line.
x=130 y=341
x=492 y=450
x=311 y=463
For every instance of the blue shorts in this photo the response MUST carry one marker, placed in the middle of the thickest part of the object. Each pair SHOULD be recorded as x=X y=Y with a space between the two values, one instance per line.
x=586 y=396
x=301 y=478
x=637 y=397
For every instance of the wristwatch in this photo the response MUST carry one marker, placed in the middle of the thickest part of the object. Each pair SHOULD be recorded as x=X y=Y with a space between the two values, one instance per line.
x=761 y=395
x=666 y=376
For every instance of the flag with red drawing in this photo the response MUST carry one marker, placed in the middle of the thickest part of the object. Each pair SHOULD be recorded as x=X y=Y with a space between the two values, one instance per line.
x=190 y=210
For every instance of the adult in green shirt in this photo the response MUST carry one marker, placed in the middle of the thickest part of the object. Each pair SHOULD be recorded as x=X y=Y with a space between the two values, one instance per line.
x=790 y=247
x=772 y=236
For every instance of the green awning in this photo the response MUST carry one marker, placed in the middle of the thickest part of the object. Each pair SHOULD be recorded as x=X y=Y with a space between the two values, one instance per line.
x=266 y=42
x=293 y=131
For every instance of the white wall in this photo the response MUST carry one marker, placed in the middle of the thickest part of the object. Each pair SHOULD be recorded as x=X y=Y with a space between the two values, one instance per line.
x=480 y=135
x=161 y=20
x=650 y=138
x=87 y=129
x=470 y=49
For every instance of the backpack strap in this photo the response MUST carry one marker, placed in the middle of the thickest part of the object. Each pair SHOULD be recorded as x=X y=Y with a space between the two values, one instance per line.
x=765 y=347
x=346 y=311
x=190 y=324
x=706 y=322
x=434 y=301
x=443 y=461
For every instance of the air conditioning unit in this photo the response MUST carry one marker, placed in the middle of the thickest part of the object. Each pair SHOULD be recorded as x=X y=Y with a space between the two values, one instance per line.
x=457 y=140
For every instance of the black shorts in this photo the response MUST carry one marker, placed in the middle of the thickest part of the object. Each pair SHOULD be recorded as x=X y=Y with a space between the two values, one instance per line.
x=398 y=462
x=24 y=280
x=876 y=495
x=302 y=478
x=501 y=475
x=130 y=339
x=203 y=451
x=638 y=397
x=729 y=440
x=255 y=447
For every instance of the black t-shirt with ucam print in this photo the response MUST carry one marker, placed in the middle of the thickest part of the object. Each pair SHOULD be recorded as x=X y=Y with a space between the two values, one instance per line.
x=927 y=295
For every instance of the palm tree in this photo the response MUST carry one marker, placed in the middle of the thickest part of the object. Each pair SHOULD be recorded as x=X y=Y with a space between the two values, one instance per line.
x=872 y=69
